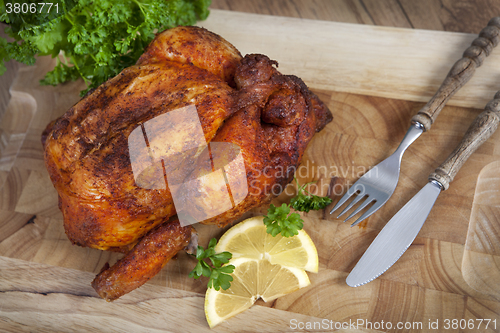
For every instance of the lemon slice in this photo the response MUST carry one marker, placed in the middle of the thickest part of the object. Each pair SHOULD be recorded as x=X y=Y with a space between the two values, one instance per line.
x=249 y=239
x=252 y=279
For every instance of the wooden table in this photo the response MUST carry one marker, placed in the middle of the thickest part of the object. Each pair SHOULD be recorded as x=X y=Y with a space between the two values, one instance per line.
x=458 y=16
x=54 y=294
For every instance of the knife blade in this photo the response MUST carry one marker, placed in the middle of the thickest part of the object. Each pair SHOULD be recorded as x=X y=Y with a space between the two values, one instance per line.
x=402 y=229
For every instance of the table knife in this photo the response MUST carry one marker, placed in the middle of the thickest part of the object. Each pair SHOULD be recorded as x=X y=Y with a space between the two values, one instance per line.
x=398 y=234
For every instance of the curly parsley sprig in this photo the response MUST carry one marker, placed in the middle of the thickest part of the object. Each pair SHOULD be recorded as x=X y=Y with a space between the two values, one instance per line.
x=95 y=38
x=279 y=220
x=218 y=273
x=304 y=203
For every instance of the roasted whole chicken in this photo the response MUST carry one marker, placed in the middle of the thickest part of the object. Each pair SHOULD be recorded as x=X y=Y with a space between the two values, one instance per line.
x=113 y=199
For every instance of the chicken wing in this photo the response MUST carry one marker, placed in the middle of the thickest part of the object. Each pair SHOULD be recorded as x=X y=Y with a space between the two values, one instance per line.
x=143 y=262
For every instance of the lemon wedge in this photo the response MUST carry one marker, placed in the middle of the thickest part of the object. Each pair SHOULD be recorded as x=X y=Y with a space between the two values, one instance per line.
x=266 y=267
x=252 y=279
x=249 y=239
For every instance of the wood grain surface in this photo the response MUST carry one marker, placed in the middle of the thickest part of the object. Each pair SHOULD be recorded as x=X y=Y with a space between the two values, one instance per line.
x=446 y=274
x=461 y=72
x=482 y=248
x=396 y=63
x=481 y=129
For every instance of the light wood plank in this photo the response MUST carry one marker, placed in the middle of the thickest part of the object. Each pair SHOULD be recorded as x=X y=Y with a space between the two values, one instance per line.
x=60 y=299
x=369 y=60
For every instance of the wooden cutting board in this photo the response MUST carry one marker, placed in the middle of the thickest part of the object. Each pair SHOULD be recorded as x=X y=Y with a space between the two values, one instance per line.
x=373 y=79
x=481 y=262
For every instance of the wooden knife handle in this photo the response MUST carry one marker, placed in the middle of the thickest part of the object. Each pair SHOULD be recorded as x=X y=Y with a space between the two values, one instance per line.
x=460 y=73
x=479 y=131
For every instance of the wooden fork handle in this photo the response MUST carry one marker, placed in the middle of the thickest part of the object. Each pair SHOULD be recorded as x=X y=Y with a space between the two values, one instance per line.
x=460 y=73
x=479 y=131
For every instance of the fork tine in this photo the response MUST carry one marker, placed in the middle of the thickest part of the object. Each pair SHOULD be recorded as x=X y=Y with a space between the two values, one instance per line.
x=346 y=197
x=360 y=207
x=355 y=201
x=369 y=212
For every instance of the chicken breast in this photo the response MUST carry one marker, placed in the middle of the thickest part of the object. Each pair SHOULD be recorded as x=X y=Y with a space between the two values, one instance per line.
x=87 y=151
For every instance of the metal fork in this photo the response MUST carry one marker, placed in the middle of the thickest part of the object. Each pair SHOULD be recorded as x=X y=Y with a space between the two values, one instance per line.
x=378 y=184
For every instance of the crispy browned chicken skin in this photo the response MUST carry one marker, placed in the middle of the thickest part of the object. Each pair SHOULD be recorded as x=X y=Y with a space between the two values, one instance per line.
x=244 y=101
